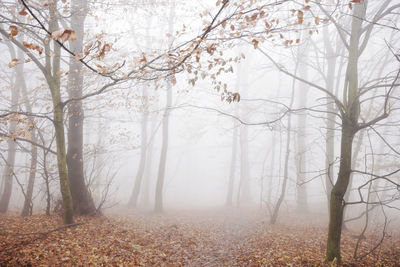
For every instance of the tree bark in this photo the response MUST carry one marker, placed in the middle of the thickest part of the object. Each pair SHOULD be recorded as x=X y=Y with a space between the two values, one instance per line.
x=58 y=121
x=278 y=204
x=330 y=120
x=349 y=129
x=143 y=154
x=158 y=207
x=229 y=196
x=301 y=198
x=82 y=200
x=28 y=205
x=338 y=191
x=8 y=173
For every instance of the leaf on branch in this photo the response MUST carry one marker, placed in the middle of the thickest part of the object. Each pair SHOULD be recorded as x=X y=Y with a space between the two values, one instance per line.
x=23 y=12
x=33 y=47
x=223 y=24
x=300 y=16
x=87 y=48
x=64 y=35
x=104 y=49
x=236 y=97
x=13 y=63
x=13 y=31
x=255 y=43
x=78 y=56
x=211 y=49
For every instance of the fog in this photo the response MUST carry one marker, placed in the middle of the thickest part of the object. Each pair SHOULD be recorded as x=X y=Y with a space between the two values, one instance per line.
x=283 y=112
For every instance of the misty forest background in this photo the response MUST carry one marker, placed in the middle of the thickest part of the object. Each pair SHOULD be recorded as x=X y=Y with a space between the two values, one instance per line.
x=195 y=133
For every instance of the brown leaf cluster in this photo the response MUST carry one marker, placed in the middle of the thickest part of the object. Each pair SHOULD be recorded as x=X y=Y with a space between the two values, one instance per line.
x=196 y=239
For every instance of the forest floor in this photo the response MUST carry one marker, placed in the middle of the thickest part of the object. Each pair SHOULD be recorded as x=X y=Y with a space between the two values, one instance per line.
x=181 y=239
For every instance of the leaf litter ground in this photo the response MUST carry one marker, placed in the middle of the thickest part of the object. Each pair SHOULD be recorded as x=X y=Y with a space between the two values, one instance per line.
x=227 y=238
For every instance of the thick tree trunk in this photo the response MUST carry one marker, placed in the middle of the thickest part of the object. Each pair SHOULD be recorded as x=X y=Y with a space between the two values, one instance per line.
x=244 y=183
x=301 y=200
x=229 y=196
x=83 y=201
x=62 y=161
x=243 y=197
x=148 y=168
x=8 y=174
x=58 y=121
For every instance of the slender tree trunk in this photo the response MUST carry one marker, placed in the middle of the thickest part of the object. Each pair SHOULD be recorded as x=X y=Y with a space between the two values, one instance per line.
x=164 y=150
x=271 y=170
x=278 y=204
x=158 y=206
x=28 y=205
x=349 y=129
x=143 y=154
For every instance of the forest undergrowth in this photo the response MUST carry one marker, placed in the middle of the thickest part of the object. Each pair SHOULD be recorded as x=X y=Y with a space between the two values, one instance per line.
x=228 y=238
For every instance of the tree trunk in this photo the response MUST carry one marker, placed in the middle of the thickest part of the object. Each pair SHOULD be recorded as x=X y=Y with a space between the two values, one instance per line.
x=143 y=154
x=244 y=180
x=301 y=201
x=149 y=167
x=229 y=196
x=278 y=204
x=330 y=120
x=58 y=121
x=158 y=207
x=82 y=200
x=244 y=183
x=27 y=209
x=274 y=216
x=28 y=206
x=8 y=174
x=271 y=170
x=349 y=129
x=338 y=191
